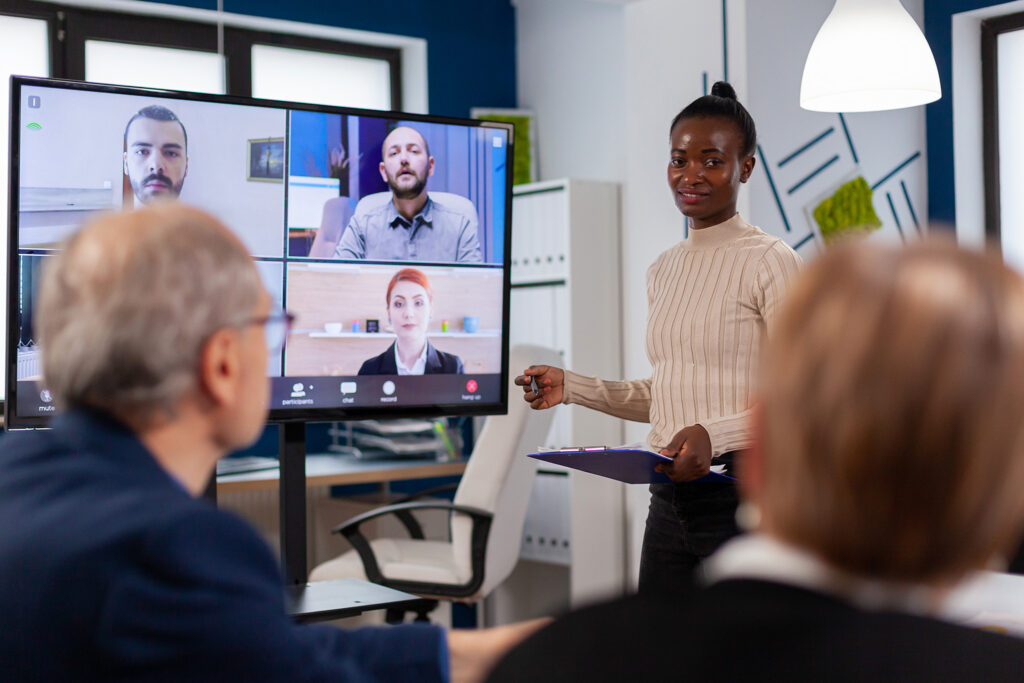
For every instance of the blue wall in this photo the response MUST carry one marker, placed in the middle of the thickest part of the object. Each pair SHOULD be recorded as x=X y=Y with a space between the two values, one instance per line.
x=471 y=44
x=938 y=28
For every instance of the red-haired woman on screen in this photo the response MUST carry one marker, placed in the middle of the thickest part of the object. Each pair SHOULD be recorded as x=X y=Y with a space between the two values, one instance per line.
x=410 y=299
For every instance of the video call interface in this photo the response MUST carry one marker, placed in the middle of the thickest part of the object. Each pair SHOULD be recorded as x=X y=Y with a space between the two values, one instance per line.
x=397 y=303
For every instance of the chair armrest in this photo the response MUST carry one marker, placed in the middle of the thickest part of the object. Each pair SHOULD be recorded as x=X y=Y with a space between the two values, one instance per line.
x=395 y=508
x=406 y=518
x=426 y=492
x=481 y=530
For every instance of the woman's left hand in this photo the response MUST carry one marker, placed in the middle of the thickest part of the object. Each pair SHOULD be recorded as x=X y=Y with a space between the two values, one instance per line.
x=690 y=450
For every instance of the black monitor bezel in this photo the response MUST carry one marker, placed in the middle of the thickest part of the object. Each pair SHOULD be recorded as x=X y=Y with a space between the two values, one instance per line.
x=14 y=421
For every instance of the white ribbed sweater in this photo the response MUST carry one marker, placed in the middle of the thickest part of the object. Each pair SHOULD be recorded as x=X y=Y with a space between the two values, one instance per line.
x=710 y=299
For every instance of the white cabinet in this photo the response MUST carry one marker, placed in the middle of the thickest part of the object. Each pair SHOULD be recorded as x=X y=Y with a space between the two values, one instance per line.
x=566 y=294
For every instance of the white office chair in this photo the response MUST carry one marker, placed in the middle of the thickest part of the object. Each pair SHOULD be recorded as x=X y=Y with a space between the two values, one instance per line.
x=486 y=516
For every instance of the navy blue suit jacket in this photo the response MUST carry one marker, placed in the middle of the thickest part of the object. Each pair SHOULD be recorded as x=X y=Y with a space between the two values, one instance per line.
x=110 y=570
x=438 y=363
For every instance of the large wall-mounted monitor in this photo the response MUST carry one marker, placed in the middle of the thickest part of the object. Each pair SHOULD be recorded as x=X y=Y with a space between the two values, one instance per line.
x=394 y=317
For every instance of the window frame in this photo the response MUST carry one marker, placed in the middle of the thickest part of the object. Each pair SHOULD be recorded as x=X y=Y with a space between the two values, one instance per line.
x=990 y=31
x=238 y=44
x=55 y=17
x=71 y=27
x=116 y=27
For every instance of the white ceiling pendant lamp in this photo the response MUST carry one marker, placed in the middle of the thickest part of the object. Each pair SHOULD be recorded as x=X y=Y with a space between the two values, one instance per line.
x=869 y=55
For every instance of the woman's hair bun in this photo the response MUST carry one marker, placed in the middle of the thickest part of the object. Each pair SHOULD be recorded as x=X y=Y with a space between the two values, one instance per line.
x=723 y=89
x=722 y=103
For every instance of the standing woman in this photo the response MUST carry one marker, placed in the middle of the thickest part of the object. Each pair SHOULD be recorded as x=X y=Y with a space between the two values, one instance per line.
x=710 y=300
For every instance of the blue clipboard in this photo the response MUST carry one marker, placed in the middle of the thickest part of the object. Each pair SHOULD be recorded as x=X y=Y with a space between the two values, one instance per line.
x=629 y=465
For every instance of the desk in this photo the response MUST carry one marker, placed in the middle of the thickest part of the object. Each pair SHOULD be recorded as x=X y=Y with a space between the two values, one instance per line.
x=331 y=470
x=322 y=600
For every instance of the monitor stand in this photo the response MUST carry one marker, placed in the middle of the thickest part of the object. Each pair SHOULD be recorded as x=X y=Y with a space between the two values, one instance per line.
x=292 y=497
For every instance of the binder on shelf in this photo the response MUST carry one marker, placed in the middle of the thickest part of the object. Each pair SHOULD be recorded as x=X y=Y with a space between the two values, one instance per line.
x=400 y=426
x=626 y=464
x=407 y=445
x=404 y=438
x=244 y=464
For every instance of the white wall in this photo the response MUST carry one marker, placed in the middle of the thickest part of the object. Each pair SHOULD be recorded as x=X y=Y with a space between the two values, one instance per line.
x=779 y=35
x=670 y=44
x=605 y=81
x=571 y=72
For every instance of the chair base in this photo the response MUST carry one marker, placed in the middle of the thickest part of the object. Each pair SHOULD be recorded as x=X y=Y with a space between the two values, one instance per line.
x=396 y=615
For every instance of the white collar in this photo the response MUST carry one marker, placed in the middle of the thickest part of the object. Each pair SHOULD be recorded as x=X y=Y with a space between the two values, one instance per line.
x=758 y=556
x=418 y=367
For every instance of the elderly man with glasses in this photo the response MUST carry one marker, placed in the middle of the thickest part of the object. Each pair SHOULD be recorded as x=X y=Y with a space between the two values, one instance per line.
x=155 y=330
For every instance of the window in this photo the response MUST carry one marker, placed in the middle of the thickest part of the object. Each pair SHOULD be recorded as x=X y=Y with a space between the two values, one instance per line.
x=153 y=51
x=154 y=67
x=305 y=69
x=282 y=73
x=1003 y=133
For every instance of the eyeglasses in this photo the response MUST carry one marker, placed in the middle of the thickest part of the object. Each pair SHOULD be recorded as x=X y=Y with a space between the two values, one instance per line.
x=276 y=326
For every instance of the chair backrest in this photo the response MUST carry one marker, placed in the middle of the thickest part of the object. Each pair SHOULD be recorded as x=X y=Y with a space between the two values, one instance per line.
x=372 y=201
x=337 y=212
x=499 y=476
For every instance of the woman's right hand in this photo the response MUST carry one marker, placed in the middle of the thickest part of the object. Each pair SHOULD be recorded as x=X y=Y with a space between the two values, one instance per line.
x=550 y=381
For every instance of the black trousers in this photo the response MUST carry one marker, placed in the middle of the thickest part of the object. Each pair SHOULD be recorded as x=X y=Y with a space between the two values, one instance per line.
x=685 y=524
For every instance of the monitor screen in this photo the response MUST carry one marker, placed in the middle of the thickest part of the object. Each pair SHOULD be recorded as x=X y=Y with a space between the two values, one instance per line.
x=400 y=298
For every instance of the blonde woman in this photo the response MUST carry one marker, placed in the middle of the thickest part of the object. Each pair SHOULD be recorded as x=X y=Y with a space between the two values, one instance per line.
x=888 y=463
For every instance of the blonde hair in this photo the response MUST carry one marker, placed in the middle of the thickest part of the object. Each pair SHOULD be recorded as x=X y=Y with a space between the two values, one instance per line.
x=127 y=304
x=893 y=445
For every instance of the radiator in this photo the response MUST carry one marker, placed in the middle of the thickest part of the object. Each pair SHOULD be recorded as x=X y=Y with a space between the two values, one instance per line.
x=262 y=510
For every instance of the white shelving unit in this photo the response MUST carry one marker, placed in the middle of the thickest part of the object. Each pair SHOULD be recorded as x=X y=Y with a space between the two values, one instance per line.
x=566 y=295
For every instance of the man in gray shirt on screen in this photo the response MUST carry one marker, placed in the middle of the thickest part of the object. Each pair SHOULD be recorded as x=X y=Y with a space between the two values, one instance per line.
x=413 y=226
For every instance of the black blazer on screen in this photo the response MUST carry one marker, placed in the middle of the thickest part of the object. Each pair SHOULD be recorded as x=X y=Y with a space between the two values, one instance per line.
x=438 y=363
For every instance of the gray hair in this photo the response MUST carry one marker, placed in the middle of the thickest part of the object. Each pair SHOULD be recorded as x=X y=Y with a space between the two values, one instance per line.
x=127 y=305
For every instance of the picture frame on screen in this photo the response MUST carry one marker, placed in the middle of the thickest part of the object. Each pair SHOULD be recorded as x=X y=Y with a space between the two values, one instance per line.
x=349 y=215
x=266 y=160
